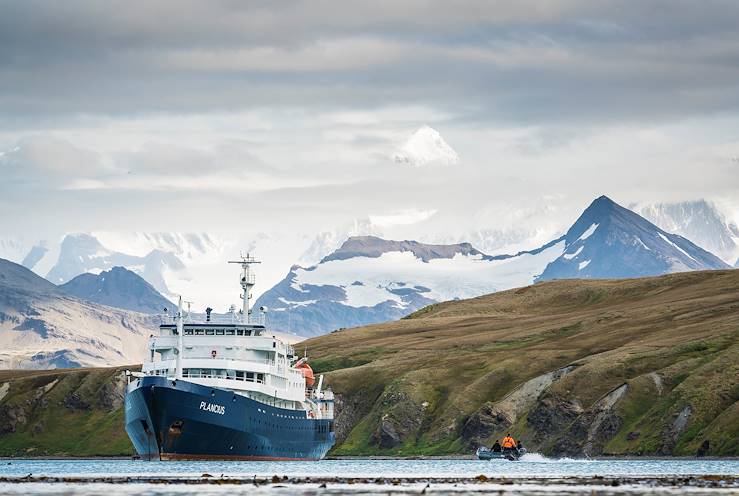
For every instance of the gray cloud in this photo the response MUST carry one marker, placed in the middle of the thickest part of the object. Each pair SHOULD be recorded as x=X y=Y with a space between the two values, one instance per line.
x=509 y=61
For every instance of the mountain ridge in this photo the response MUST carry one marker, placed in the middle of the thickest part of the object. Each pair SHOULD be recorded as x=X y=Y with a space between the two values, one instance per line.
x=369 y=279
x=118 y=288
x=41 y=326
x=700 y=221
x=627 y=245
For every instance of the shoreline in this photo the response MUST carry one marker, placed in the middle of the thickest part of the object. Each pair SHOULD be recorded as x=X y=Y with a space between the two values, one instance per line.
x=388 y=457
x=717 y=481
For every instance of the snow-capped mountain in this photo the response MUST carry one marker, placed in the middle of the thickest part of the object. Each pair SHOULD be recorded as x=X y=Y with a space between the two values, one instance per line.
x=700 y=221
x=12 y=249
x=41 y=326
x=118 y=288
x=610 y=241
x=426 y=147
x=369 y=280
x=83 y=253
x=327 y=241
x=185 y=246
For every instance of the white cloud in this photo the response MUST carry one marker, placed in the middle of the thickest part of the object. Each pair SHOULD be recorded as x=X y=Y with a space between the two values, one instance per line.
x=402 y=217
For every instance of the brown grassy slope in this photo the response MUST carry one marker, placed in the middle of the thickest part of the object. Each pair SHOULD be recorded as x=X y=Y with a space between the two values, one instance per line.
x=432 y=383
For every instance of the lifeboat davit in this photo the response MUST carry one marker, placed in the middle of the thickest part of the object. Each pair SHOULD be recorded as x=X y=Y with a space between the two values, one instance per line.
x=310 y=379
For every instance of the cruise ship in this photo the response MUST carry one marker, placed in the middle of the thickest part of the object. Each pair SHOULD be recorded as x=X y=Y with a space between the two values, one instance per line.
x=227 y=390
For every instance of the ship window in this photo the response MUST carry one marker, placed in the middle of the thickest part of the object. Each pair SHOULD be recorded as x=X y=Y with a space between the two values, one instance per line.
x=188 y=332
x=199 y=332
x=247 y=333
x=240 y=375
x=219 y=332
x=229 y=332
x=240 y=332
x=250 y=376
x=260 y=377
x=209 y=332
x=230 y=374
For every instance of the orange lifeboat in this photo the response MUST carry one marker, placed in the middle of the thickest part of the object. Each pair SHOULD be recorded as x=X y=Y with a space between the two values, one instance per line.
x=307 y=373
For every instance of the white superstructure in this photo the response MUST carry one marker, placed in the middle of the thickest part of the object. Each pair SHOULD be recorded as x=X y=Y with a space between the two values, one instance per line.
x=238 y=355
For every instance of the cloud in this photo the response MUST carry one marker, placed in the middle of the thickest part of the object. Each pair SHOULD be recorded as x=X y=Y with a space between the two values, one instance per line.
x=48 y=160
x=401 y=218
x=514 y=62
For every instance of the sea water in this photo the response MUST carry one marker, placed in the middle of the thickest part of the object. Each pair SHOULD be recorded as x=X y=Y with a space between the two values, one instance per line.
x=529 y=466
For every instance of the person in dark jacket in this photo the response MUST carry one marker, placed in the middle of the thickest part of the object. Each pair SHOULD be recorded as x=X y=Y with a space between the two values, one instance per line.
x=496 y=447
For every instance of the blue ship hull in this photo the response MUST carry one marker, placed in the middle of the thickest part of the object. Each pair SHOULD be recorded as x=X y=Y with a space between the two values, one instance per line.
x=180 y=420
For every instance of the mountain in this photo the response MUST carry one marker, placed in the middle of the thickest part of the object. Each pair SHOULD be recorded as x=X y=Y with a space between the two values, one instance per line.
x=700 y=221
x=327 y=241
x=644 y=366
x=426 y=147
x=610 y=241
x=119 y=288
x=369 y=279
x=83 y=253
x=41 y=326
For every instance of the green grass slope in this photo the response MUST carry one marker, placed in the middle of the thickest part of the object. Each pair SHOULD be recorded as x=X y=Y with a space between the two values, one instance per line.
x=76 y=412
x=639 y=366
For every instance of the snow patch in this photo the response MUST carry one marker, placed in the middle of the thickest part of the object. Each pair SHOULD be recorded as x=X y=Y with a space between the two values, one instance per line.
x=582 y=265
x=675 y=246
x=640 y=242
x=297 y=303
x=568 y=256
x=426 y=147
x=588 y=232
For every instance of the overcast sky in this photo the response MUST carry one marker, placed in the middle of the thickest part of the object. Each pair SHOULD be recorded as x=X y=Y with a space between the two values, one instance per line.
x=259 y=116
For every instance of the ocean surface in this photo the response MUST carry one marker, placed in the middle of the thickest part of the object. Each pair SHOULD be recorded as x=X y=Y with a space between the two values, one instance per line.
x=530 y=466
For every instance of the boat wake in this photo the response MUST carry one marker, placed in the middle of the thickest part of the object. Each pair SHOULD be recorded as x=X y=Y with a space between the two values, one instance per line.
x=539 y=458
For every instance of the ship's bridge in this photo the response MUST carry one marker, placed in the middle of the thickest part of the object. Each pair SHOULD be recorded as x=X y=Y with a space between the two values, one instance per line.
x=244 y=358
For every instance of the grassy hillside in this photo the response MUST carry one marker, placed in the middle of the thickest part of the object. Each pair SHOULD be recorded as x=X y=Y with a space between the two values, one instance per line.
x=640 y=366
x=77 y=412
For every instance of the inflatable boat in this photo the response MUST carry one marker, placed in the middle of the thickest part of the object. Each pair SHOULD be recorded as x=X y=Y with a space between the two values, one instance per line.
x=484 y=453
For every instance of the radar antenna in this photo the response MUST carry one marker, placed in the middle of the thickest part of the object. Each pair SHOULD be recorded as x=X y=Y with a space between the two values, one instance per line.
x=247 y=282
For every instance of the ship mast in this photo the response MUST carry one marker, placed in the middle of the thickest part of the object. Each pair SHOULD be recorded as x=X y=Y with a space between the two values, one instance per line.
x=247 y=282
x=180 y=340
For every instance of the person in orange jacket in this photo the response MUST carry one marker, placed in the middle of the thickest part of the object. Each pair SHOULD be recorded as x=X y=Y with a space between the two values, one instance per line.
x=508 y=442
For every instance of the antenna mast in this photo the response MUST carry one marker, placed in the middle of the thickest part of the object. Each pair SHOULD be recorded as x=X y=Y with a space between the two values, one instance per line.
x=247 y=282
